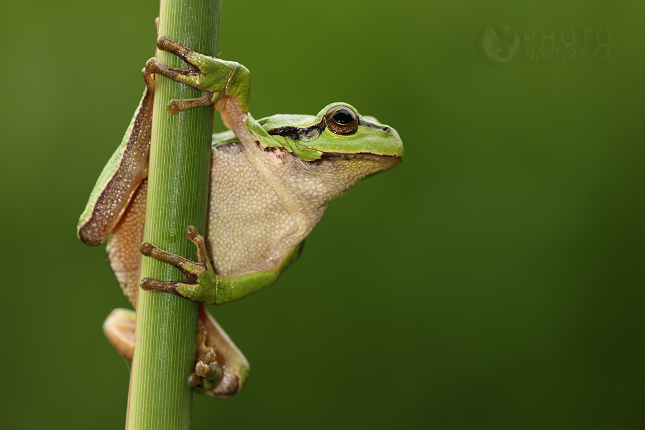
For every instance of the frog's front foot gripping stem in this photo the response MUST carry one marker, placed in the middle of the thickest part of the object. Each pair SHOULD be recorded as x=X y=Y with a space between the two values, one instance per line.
x=201 y=280
x=216 y=79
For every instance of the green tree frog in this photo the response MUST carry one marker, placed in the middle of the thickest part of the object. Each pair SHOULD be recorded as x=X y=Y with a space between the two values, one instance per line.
x=271 y=180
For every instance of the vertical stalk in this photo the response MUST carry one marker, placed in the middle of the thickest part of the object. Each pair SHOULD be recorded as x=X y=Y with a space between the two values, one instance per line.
x=164 y=354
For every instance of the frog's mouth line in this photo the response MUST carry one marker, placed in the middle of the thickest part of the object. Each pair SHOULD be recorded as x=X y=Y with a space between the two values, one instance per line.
x=395 y=160
x=330 y=156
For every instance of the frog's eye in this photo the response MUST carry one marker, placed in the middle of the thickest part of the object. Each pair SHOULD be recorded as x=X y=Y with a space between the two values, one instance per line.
x=341 y=120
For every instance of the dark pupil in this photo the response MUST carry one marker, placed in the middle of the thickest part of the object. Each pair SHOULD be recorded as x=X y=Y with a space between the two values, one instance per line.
x=342 y=117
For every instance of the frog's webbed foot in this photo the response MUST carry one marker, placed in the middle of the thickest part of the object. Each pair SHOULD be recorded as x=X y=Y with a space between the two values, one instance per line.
x=216 y=79
x=201 y=280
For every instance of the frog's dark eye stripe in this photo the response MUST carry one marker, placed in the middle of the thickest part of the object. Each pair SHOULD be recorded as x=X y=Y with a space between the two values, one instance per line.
x=362 y=123
x=299 y=133
x=339 y=120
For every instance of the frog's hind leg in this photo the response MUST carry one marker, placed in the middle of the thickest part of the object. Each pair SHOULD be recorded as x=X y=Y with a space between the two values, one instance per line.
x=220 y=368
x=214 y=346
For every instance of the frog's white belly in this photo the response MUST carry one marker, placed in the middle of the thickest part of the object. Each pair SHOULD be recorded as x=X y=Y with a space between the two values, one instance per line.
x=250 y=227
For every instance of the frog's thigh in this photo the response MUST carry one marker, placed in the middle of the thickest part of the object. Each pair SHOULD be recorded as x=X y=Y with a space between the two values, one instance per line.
x=123 y=245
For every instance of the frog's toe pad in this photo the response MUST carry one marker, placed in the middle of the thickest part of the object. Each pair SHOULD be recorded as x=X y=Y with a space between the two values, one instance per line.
x=210 y=371
x=207 y=371
x=166 y=44
x=175 y=106
x=150 y=284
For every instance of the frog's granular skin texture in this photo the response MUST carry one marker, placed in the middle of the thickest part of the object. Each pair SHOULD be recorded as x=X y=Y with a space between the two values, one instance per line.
x=123 y=244
x=263 y=203
x=247 y=222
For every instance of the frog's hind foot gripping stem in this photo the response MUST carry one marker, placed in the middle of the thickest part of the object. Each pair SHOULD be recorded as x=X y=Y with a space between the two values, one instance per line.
x=220 y=369
x=206 y=374
x=207 y=369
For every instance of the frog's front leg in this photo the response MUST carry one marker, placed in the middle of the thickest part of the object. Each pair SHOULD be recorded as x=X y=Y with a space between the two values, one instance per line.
x=216 y=79
x=202 y=284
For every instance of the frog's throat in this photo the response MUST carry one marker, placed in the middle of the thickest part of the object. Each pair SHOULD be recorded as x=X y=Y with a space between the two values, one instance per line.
x=235 y=119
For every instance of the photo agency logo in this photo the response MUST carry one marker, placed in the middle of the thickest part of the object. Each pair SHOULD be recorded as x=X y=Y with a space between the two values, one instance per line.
x=502 y=44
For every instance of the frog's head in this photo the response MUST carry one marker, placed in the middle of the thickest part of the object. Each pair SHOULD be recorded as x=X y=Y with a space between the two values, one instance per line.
x=337 y=132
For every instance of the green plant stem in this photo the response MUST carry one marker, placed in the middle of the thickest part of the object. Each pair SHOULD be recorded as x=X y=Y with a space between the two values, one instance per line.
x=164 y=354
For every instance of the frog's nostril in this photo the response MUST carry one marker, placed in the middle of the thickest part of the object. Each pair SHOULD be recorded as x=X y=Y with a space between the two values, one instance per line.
x=386 y=129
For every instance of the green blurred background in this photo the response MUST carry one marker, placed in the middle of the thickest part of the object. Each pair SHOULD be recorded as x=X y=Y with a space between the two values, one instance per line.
x=493 y=280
